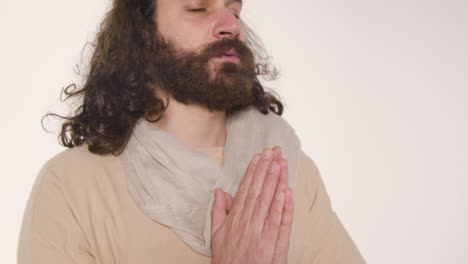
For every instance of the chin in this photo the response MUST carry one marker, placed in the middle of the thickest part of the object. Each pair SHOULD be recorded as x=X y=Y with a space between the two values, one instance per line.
x=221 y=75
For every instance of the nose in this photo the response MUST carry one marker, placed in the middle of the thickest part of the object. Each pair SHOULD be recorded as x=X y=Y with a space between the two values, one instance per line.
x=226 y=25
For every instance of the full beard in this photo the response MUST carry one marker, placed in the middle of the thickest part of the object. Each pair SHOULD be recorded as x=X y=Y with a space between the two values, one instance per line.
x=194 y=78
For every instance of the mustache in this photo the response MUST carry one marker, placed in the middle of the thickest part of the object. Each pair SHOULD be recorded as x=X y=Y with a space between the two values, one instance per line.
x=220 y=47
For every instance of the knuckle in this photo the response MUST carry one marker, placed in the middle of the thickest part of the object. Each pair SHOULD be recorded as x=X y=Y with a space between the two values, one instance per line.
x=270 y=225
x=255 y=190
x=262 y=203
x=243 y=189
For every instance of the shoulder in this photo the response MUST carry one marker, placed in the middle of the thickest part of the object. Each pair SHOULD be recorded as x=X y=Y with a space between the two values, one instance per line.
x=272 y=120
x=78 y=159
x=309 y=183
x=76 y=177
x=317 y=225
x=307 y=165
x=266 y=122
x=79 y=168
x=58 y=204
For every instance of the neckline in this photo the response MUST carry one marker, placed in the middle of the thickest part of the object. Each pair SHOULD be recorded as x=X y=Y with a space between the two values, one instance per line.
x=221 y=147
x=210 y=149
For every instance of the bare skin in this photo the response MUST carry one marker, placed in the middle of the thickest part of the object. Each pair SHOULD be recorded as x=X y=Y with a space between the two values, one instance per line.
x=255 y=226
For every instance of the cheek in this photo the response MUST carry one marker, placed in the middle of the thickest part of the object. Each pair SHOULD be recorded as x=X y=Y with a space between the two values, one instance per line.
x=185 y=33
x=243 y=34
x=191 y=37
x=201 y=31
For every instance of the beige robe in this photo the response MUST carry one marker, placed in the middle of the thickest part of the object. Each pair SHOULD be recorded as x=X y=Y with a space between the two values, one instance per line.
x=79 y=211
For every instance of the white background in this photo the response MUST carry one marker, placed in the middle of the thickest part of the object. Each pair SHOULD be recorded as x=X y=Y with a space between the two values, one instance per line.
x=377 y=91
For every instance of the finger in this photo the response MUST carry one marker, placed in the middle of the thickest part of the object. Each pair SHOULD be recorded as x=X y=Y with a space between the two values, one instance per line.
x=283 y=181
x=272 y=224
x=288 y=208
x=218 y=213
x=229 y=200
x=283 y=178
x=277 y=151
x=262 y=207
x=241 y=195
x=256 y=185
x=282 y=243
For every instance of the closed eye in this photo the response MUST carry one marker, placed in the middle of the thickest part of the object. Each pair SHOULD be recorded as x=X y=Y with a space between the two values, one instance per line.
x=197 y=9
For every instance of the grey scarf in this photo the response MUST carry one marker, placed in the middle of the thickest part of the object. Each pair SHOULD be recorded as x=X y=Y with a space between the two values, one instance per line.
x=168 y=179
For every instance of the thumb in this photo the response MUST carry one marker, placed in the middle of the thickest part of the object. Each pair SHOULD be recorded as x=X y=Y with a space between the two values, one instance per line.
x=218 y=213
x=229 y=201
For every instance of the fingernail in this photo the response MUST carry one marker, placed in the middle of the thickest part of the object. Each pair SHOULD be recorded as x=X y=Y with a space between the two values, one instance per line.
x=267 y=154
x=256 y=158
x=279 y=152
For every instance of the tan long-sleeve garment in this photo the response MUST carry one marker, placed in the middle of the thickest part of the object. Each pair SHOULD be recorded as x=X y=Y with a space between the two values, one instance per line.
x=80 y=212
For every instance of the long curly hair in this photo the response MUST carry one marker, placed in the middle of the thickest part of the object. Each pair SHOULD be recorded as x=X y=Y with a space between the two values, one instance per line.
x=119 y=87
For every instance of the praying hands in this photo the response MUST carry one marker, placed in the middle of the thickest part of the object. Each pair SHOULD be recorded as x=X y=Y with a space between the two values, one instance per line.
x=255 y=226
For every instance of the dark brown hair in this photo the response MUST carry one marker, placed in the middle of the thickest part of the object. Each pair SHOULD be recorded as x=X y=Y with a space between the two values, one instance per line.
x=119 y=87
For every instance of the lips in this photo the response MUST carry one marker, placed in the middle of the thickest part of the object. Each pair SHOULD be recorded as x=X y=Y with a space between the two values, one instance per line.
x=230 y=53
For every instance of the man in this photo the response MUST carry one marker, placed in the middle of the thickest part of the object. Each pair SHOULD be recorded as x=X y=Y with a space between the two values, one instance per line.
x=174 y=156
